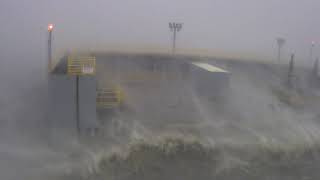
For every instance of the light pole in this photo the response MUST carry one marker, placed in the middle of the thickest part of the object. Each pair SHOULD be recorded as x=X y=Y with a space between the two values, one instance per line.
x=313 y=43
x=174 y=27
x=280 y=42
x=50 y=30
x=291 y=75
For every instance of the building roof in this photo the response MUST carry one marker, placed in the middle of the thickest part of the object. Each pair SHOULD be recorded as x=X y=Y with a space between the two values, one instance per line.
x=209 y=67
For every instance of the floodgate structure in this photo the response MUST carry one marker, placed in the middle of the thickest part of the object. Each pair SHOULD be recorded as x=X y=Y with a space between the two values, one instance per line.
x=86 y=90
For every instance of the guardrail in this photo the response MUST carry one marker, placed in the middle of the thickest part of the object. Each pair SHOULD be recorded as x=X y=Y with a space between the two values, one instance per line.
x=109 y=98
x=81 y=65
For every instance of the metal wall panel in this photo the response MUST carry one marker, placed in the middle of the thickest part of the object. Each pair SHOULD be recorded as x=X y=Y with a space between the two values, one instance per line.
x=62 y=111
x=87 y=103
x=63 y=105
x=211 y=84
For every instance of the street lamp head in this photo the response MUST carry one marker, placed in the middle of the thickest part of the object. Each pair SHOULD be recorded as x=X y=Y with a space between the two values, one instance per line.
x=179 y=26
x=281 y=41
x=50 y=27
x=313 y=43
x=171 y=26
x=175 y=26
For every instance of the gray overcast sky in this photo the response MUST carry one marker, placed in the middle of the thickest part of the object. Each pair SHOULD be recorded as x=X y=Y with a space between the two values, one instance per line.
x=229 y=26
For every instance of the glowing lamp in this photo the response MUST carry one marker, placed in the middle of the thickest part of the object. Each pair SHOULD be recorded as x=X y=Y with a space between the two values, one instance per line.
x=50 y=27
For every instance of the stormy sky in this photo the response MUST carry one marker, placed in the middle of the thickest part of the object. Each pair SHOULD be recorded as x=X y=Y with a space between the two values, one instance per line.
x=237 y=27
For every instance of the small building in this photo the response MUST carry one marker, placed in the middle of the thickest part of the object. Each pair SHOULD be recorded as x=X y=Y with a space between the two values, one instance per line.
x=209 y=80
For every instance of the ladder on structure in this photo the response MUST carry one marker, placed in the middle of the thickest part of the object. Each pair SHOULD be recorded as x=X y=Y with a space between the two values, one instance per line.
x=109 y=98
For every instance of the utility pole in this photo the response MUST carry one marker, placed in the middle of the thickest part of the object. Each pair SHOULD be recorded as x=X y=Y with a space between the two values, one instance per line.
x=77 y=106
x=311 y=50
x=314 y=77
x=174 y=27
x=48 y=79
x=291 y=76
x=315 y=69
x=280 y=42
x=50 y=30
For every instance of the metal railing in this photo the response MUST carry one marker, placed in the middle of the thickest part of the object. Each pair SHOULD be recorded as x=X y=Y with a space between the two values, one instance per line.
x=81 y=65
x=109 y=98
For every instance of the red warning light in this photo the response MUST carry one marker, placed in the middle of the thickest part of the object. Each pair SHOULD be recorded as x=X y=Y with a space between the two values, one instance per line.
x=50 y=27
